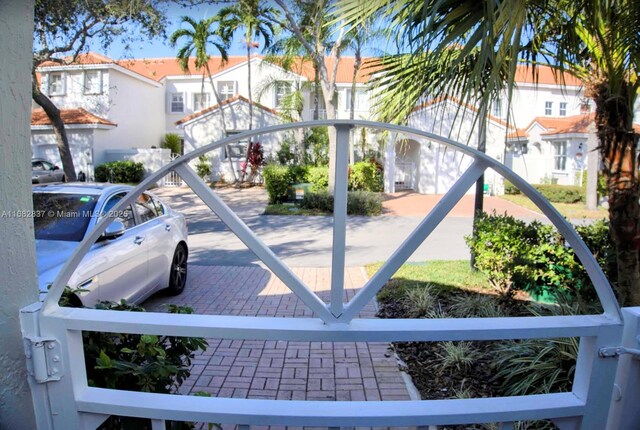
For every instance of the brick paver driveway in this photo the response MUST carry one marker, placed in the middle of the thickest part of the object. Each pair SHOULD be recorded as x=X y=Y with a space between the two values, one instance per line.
x=282 y=370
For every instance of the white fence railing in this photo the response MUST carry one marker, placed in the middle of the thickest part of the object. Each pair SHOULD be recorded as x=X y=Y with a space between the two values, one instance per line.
x=64 y=400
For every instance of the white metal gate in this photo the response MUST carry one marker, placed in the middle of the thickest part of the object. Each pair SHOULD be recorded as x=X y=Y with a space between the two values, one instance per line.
x=64 y=400
x=172 y=179
x=405 y=175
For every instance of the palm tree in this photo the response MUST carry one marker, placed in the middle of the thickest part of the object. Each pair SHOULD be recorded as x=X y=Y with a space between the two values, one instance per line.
x=198 y=38
x=596 y=41
x=258 y=21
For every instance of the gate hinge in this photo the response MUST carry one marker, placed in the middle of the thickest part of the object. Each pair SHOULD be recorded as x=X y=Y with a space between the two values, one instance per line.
x=616 y=351
x=44 y=358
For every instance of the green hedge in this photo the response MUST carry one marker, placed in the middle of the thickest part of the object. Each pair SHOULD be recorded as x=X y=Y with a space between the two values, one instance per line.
x=276 y=179
x=120 y=172
x=318 y=176
x=363 y=203
x=510 y=189
x=534 y=257
x=560 y=193
x=365 y=176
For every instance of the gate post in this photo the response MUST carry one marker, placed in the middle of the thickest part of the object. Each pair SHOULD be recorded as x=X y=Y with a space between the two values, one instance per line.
x=624 y=413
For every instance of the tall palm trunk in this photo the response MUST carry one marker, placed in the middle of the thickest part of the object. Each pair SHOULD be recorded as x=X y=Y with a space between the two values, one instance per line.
x=222 y=119
x=352 y=111
x=250 y=144
x=58 y=129
x=618 y=148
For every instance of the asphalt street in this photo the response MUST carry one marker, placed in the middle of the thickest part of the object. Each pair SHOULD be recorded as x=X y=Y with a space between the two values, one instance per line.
x=306 y=241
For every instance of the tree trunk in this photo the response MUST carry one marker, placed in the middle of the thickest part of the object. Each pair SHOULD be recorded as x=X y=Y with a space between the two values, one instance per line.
x=614 y=122
x=250 y=144
x=223 y=120
x=53 y=113
x=352 y=111
x=316 y=94
x=331 y=114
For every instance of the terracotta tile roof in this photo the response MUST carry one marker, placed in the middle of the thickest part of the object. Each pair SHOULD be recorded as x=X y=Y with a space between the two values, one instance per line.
x=69 y=116
x=437 y=100
x=561 y=125
x=544 y=75
x=158 y=68
x=86 y=59
x=224 y=103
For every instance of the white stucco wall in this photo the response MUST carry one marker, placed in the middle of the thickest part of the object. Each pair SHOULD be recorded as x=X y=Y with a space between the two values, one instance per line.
x=208 y=129
x=438 y=167
x=44 y=145
x=529 y=102
x=137 y=108
x=75 y=97
x=152 y=159
x=19 y=286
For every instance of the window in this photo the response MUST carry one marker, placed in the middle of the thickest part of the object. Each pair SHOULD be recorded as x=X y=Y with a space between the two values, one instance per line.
x=548 y=108
x=125 y=216
x=360 y=100
x=201 y=101
x=226 y=89
x=235 y=150
x=563 y=109
x=496 y=109
x=282 y=90
x=56 y=84
x=145 y=208
x=560 y=155
x=93 y=82
x=177 y=102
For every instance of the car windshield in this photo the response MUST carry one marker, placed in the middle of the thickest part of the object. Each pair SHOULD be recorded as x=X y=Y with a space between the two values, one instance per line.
x=62 y=216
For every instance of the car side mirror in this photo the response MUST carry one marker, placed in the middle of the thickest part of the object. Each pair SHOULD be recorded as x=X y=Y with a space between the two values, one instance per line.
x=55 y=168
x=113 y=231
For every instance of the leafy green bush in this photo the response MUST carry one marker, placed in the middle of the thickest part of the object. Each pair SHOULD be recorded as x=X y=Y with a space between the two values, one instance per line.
x=365 y=176
x=560 y=193
x=510 y=189
x=318 y=141
x=321 y=200
x=298 y=174
x=364 y=203
x=124 y=171
x=172 y=141
x=318 y=176
x=276 y=179
x=358 y=202
x=535 y=257
x=203 y=167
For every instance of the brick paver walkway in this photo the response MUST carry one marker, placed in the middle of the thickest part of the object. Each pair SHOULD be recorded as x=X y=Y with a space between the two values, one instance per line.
x=282 y=370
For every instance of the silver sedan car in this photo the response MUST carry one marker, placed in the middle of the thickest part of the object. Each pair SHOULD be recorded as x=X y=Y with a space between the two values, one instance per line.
x=144 y=250
x=43 y=171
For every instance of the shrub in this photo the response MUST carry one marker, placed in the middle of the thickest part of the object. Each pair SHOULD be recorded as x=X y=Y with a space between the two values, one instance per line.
x=475 y=306
x=457 y=356
x=276 y=180
x=298 y=174
x=203 y=167
x=510 y=189
x=364 y=203
x=285 y=154
x=366 y=176
x=173 y=142
x=560 y=193
x=358 y=202
x=124 y=171
x=420 y=301
x=318 y=176
x=535 y=257
x=318 y=141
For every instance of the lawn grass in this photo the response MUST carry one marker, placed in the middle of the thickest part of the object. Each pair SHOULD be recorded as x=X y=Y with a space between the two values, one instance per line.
x=568 y=210
x=282 y=209
x=444 y=274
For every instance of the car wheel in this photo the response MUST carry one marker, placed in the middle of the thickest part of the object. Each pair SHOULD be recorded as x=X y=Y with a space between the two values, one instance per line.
x=178 y=272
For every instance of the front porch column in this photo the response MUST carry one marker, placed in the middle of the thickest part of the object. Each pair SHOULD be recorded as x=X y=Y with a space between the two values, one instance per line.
x=19 y=286
x=390 y=165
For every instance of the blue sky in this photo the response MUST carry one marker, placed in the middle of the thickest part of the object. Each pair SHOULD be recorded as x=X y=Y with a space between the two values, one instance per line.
x=162 y=48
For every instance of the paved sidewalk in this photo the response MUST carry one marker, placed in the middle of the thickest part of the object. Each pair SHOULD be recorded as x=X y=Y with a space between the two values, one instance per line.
x=254 y=369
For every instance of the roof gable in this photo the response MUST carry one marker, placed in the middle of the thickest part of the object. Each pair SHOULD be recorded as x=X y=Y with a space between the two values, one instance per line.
x=227 y=102
x=70 y=117
x=454 y=102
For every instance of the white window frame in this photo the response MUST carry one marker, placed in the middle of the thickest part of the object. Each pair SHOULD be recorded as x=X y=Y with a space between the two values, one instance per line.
x=172 y=101
x=278 y=94
x=204 y=103
x=238 y=149
x=548 y=108
x=496 y=109
x=560 y=155
x=562 y=110
x=63 y=84
x=98 y=89
x=223 y=89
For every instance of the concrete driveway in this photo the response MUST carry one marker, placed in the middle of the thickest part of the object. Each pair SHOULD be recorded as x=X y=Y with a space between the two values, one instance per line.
x=306 y=241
